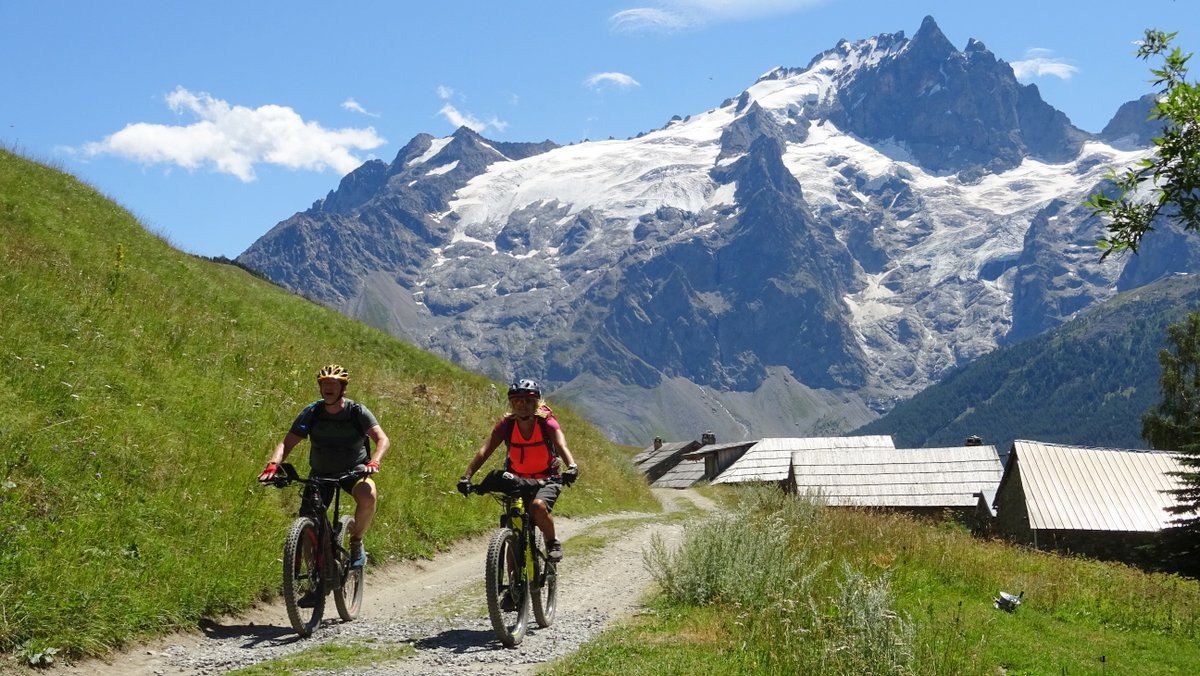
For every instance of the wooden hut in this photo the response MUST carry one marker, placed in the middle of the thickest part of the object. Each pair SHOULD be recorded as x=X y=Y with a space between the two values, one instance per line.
x=770 y=460
x=1101 y=502
x=716 y=458
x=685 y=473
x=659 y=458
x=925 y=481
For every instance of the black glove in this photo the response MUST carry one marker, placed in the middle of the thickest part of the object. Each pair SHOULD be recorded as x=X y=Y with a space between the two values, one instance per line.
x=464 y=486
x=569 y=476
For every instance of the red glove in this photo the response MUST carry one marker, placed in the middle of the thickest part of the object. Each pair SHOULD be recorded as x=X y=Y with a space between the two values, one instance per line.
x=372 y=467
x=269 y=473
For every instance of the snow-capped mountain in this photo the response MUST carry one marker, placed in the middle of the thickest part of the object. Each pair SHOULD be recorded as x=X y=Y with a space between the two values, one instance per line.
x=795 y=260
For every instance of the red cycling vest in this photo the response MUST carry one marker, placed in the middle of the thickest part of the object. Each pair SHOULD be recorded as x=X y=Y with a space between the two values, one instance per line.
x=533 y=457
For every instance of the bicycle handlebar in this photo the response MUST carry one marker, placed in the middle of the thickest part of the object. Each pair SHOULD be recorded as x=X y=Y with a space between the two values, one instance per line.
x=289 y=475
x=517 y=487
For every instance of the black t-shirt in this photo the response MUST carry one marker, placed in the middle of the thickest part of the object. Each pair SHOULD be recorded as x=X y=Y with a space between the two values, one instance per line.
x=338 y=443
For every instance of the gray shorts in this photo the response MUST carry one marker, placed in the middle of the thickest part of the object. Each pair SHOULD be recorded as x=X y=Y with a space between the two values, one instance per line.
x=549 y=494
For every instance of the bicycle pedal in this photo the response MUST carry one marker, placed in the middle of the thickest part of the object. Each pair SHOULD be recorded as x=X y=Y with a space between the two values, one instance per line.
x=309 y=600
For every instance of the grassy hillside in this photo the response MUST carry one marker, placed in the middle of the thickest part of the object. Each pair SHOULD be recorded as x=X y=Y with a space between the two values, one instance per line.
x=1087 y=382
x=146 y=389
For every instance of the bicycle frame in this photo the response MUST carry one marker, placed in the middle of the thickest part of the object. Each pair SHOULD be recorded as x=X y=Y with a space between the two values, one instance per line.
x=518 y=573
x=314 y=537
x=516 y=517
x=313 y=506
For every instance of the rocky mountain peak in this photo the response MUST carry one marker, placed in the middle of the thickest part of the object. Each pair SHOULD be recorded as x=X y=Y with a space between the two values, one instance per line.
x=958 y=112
x=467 y=146
x=411 y=150
x=1132 y=126
x=760 y=167
x=976 y=49
x=355 y=189
x=755 y=123
x=794 y=260
x=930 y=42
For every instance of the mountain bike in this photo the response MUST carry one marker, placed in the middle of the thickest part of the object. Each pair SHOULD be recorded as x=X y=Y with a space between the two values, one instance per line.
x=518 y=573
x=316 y=554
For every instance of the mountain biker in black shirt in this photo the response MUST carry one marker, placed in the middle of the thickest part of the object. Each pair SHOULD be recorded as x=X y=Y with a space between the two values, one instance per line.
x=337 y=429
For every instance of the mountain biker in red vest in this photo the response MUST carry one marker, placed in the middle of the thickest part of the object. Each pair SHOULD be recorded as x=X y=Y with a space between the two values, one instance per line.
x=337 y=429
x=535 y=444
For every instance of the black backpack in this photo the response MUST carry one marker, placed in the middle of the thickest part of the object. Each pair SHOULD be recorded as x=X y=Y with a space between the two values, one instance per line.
x=309 y=414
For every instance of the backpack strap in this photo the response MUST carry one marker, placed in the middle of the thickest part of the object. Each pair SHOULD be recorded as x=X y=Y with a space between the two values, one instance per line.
x=551 y=444
x=356 y=416
x=309 y=415
x=547 y=437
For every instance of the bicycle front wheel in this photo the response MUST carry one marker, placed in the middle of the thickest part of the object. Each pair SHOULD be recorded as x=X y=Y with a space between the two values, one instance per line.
x=303 y=591
x=507 y=588
x=348 y=589
x=544 y=593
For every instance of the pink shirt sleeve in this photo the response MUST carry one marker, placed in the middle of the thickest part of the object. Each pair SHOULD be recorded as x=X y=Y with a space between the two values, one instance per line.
x=498 y=429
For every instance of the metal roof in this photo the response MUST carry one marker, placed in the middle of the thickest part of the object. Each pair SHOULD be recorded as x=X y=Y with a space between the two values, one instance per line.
x=771 y=459
x=709 y=449
x=1103 y=489
x=987 y=499
x=898 y=477
x=684 y=474
x=649 y=456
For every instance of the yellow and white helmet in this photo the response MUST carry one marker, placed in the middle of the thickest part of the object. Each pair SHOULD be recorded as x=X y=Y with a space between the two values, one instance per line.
x=334 y=372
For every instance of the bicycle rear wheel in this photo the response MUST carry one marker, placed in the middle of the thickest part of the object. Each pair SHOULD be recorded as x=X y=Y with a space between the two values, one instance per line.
x=544 y=592
x=303 y=591
x=507 y=588
x=348 y=591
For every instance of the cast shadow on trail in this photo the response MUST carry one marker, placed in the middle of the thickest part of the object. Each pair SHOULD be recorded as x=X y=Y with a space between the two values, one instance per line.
x=254 y=634
x=460 y=641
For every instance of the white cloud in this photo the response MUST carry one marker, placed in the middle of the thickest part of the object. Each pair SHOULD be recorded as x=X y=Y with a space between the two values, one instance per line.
x=354 y=107
x=461 y=119
x=671 y=16
x=233 y=139
x=618 y=80
x=649 y=20
x=1039 y=62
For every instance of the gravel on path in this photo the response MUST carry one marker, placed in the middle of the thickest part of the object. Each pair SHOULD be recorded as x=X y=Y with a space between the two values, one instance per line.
x=436 y=606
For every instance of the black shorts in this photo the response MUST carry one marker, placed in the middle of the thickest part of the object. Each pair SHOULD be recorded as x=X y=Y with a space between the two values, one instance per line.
x=549 y=493
x=327 y=490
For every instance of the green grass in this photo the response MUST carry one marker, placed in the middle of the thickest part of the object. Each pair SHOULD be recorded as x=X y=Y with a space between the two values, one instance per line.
x=147 y=388
x=331 y=657
x=597 y=537
x=785 y=586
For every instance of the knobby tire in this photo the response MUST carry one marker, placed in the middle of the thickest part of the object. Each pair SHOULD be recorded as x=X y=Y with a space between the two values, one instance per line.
x=348 y=591
x=302 y=575
x=544 y=591
x=506 y=578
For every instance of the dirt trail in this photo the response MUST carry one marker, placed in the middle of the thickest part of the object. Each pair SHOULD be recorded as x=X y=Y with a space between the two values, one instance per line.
x=435 y=606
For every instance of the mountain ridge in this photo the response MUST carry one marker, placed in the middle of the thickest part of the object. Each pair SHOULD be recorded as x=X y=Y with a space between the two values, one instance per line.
x=824 y=222
x=1086 y=382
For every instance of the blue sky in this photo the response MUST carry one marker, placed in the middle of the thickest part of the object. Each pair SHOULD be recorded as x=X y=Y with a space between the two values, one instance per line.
x=213 y=121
